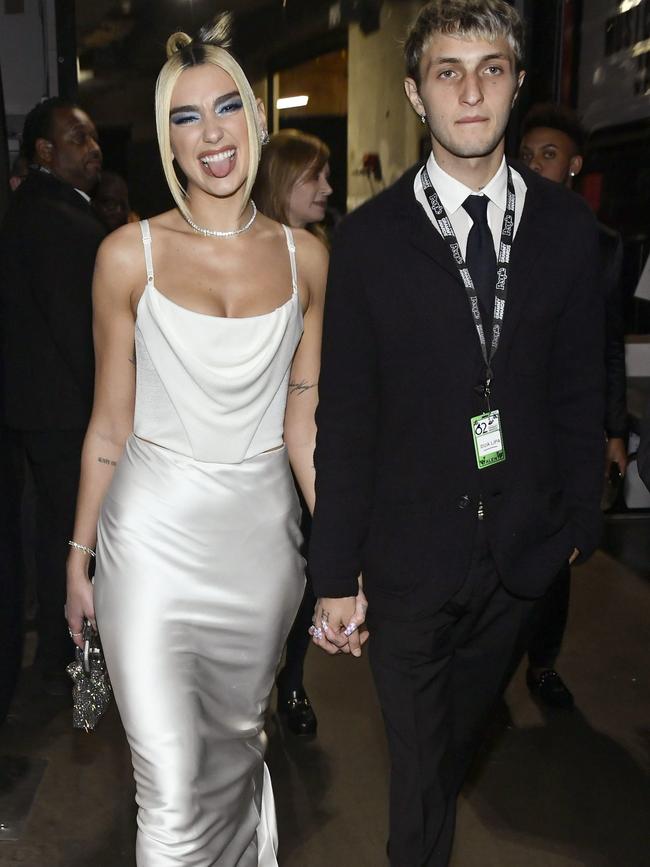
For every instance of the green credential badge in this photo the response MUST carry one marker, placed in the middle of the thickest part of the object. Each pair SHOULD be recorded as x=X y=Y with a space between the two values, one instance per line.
x=488 y=439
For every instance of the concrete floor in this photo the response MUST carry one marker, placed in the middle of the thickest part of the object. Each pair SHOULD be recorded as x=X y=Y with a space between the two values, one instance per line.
x=549 y=790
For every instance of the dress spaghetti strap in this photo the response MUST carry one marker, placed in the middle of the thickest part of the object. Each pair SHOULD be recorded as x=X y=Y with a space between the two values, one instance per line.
x=292 y=258
x=146 y=242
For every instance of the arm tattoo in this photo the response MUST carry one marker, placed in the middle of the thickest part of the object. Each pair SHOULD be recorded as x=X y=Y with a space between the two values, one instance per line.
x=107 y=461
x=300 y=387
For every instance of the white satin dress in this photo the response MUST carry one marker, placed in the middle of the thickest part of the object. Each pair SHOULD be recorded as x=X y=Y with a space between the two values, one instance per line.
x=199 y=575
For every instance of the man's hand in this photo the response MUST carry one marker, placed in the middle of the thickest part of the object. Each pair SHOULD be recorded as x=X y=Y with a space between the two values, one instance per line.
x=338 y=624
x=616 y=454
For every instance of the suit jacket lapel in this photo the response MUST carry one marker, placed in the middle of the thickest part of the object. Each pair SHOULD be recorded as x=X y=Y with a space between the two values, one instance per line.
x=47 y=184
x=531 y=241
x=417 y=228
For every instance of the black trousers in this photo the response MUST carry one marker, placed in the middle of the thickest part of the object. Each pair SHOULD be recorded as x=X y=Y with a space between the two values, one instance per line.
x=437 y=679
x=53 y=459
x=549 y=621
x=299 y=639
x=12 y=581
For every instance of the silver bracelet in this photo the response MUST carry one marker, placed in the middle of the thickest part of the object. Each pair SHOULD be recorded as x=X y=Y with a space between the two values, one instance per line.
x=79 y=547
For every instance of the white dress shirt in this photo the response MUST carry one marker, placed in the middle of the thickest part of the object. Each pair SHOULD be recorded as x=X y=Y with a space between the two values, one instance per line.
x=453 y=193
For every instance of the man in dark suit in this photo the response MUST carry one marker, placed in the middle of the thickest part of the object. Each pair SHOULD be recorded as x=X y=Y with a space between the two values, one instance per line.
x=553 y=145
x=457 y=468
x=48 y=243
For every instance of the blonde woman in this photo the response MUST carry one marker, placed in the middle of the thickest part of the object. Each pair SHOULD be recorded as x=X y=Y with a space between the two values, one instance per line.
x=186 y=484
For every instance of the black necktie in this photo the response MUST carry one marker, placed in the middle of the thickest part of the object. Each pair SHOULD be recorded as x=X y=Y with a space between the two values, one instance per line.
x=480 y=256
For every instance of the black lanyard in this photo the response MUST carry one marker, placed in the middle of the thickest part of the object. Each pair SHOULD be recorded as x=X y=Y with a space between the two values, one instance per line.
x=503 y=268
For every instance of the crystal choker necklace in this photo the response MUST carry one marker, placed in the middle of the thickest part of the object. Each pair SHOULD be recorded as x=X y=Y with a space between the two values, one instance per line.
x=214 y=233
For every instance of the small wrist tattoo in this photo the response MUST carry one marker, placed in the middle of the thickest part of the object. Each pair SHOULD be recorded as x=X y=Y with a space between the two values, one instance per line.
x=107 y=461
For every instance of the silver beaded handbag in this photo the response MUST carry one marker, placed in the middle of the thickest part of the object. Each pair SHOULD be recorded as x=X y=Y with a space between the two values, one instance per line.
x=91 y=693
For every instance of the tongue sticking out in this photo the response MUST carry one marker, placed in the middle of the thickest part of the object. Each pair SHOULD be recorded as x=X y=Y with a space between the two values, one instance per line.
x=220 y=168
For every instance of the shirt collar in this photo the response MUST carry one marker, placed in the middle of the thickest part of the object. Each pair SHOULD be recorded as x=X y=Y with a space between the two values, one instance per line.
x=453 y=192
x=76 y=189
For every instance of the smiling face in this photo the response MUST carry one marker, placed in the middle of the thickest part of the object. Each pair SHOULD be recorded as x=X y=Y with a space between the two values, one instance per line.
x=308 y=197
x=208 y=131
x=71 y=151
x=467 y=90
x=551 y=153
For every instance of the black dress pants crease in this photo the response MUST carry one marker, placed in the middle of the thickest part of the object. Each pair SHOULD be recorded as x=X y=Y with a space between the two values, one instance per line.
x=437 y=679
x=548 y=622
x=298 y=641
x=53 y=458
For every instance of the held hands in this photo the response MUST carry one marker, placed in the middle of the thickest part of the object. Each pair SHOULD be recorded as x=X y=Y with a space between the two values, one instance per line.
x=79 y=603
x=338 y=625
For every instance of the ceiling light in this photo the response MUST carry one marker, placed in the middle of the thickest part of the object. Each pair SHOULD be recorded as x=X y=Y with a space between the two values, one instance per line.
x=291 y=102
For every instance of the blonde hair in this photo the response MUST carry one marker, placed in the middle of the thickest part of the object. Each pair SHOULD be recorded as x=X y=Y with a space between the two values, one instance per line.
x=183 y=53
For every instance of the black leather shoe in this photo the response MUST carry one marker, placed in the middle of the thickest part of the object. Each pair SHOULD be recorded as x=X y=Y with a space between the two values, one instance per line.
x=550 y=689
x=297 y=712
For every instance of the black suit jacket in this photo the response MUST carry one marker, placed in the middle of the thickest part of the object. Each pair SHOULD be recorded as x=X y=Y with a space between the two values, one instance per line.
x=48 y=243
x=396 y=475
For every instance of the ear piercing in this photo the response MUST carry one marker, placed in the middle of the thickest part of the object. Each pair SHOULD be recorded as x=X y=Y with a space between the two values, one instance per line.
x=423 y=118
x=264 y=137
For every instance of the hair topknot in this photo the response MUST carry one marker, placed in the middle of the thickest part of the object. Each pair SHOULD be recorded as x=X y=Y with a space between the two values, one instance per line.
x=177 y=42
x=219 y=32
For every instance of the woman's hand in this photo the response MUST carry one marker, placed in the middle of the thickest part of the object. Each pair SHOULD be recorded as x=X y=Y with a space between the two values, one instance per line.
x=338 y=623
x=79 y=603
